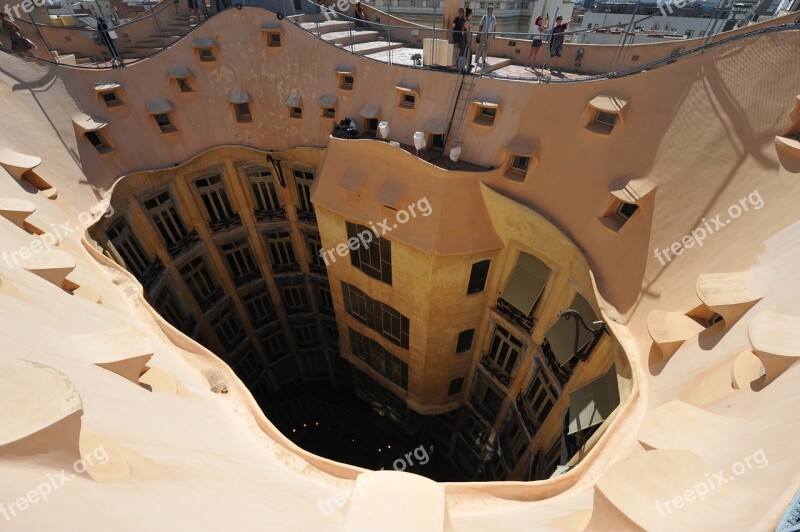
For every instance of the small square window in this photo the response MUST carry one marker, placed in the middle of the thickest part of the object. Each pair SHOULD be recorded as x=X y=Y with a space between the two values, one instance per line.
x=605 y=119
x=372 y=125
x=465 y=340
x=274 y=39
x=408 y=101
x=520 y=163
x=437 y=142
x=206 y=55
x=328 y=112
x=626 y=210
x=295 y=112
x=455 y=386
x=111 y=99
x=164 y=123
x=347 y=82
x=243 y=112
x=97 y=141
x=183 y=85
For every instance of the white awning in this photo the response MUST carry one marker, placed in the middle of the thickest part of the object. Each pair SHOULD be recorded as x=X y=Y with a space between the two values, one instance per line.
x=520 y=145
x=107 y=86
x=608 y=104
x=526 y=283
x=179 y=72
x=327 y=100
x=87 y=123
x=157 y=107
x=238 y=97
x=408 y=86
x=631 y=190
x=294 y=100
x=371 y=110
x=345 y=69
x=487 y=101
x=436 y=126
x=591 y=404
x=203 y=42
x=391 y=193
x=267 y=26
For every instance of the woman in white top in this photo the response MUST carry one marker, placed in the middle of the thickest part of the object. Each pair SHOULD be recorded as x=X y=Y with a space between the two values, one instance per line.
x=538 y=32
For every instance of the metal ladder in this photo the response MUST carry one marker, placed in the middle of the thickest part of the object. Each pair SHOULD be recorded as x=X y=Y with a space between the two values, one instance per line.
x=460 y=104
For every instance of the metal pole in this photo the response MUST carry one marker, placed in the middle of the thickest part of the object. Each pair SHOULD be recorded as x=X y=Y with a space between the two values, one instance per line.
x=389 y=37
x=433 y=41
x=620 y=51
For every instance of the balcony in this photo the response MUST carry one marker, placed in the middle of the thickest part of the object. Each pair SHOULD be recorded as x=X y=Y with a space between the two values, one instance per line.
x=562 y=373
x=292 y=267
x=307 y=216
x=221 y=225
x=211 y=300
x=318 y=269
x=509 y=312
x=495 y=371
x=530 y=426
x=152 y=274
x=183 y=244
x=247 y=278
x=268 y=216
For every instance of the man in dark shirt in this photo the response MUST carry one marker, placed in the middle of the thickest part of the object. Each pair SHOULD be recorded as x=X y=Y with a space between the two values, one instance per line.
x=458 y=35
x=557 y=42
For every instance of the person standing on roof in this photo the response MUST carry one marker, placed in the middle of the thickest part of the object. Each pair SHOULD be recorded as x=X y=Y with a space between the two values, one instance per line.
x=458 y=35
x=485 y=32
x=557 y=42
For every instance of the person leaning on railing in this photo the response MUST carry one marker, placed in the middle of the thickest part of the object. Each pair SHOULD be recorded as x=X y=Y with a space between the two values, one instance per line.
x=19 y=43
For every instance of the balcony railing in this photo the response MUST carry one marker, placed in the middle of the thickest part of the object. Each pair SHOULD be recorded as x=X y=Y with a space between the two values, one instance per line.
x=268 y=216
x=496 y=371
x=562 y=373
x=247 y=278
x=530 y=425
x=221 y=225
x=153 y=272
x=183 y=244
x=292 y=267
x=508 y=311
x=316 y=268
x=308 y=216
x=211 y=299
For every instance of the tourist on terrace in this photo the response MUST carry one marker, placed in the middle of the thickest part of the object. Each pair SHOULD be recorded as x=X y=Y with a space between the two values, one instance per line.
x=467 y=42
x=116 y=60
x=486 y=32
x=360 y=16
x=538 y=31
x=458 y=35
x=557 y=42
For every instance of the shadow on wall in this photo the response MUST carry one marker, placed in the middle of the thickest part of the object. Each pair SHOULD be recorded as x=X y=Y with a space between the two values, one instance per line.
x=723 y=114
x=43 y=82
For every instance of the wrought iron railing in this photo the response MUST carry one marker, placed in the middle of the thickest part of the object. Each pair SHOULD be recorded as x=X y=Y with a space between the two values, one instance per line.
x=189 y=240
x=262 y=215
x=496 y=371
x=513 y=315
